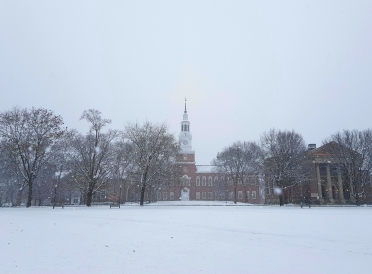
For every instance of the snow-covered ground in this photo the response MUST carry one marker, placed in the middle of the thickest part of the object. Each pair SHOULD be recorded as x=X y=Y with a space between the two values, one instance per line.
x=186 y=239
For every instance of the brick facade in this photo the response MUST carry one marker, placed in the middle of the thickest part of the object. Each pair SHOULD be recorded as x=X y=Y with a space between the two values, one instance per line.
x=203 y=182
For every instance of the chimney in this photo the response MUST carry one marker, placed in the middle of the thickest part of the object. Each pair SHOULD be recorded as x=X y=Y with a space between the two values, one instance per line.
x=311 y=146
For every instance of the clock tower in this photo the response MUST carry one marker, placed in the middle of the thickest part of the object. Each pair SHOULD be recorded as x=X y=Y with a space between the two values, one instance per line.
x=185 y=136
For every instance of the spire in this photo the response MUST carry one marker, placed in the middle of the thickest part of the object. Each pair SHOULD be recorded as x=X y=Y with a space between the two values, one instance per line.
x=185 y=105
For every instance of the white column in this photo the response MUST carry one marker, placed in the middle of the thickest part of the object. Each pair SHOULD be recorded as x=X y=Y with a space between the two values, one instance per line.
x=340 y=186
x=320 y=194
x=329 y=184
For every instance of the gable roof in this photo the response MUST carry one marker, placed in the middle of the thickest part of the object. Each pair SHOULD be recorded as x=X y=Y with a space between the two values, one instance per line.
x=325 y=150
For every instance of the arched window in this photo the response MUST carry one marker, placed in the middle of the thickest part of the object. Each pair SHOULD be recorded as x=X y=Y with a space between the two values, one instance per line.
x=215 y=180
x=210 y=182
x=204 y=181
x=197 y=181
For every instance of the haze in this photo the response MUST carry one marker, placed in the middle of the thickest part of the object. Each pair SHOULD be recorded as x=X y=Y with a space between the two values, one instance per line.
x=244 y=66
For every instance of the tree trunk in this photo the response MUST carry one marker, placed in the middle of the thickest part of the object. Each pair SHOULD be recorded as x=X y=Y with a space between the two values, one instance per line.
x=281 y=200
x=235 y=200
x=29 y=196
x=143 y=188
x=19 y=197
x=357 y=202
x=89 y=197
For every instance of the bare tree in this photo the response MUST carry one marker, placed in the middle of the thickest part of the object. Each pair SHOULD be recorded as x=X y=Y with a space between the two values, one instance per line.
x=93 y=154
x=285 y=159
x=11 y=184
x=29 y=138
x=238 y=161
x=353 y=152
x=122 y=165
x=155 y=150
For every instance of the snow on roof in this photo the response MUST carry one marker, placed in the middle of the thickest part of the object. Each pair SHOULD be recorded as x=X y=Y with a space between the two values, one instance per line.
x=206 y=169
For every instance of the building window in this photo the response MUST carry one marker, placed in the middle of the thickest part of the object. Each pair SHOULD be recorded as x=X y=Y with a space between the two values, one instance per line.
x=210 y=182
x=197 y=196
x=171 y=196
x=165 y=196
x=253 y=194
x=204 y=181
x=204 y=195
x=210 y=195
x=185 y=180
x=216 y=181
x=197 y=181
x=268 y=190
x=240 y=195
x=103 y=194
x=247 y=195
x=254 y=181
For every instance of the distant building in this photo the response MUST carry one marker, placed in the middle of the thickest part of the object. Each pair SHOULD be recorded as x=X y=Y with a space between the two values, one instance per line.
x=325 y=184
x=203 y=182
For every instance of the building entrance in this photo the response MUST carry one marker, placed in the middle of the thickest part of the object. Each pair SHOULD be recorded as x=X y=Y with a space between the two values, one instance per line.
x=185 y=194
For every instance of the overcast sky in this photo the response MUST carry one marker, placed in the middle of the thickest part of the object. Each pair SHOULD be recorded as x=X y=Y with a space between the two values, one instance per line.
x=244 y=66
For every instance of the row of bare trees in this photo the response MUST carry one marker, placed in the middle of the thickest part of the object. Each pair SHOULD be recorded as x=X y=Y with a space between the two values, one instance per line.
x=277 y=156
x=281 y=158
x=38 y=152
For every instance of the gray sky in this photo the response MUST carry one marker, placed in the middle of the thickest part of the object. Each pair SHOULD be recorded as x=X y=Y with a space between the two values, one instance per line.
x=244 y=66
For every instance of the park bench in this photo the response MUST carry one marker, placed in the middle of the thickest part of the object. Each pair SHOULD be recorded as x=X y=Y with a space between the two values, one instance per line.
x=61 y=205
x=114 y=205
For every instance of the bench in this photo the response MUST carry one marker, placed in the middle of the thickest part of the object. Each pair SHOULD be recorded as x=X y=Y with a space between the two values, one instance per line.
x=115 y=205
x=305 y=204
x=61 y=205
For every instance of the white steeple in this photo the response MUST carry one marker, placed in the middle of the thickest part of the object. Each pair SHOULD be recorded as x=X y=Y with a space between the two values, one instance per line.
x=185 y=136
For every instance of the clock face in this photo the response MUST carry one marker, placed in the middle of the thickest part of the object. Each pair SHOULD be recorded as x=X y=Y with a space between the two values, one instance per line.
x=185 y=142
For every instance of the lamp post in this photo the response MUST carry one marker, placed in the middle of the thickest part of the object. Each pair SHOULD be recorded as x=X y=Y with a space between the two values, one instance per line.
x=1 y=198
x=55 y=195
x=120 y=196
x=360 y=170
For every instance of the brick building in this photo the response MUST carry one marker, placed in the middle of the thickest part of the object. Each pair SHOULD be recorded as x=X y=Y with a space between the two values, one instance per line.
x=326 y=182
x=203 y=182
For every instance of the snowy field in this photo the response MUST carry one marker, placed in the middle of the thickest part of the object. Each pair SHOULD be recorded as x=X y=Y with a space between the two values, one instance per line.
x=186 y=239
